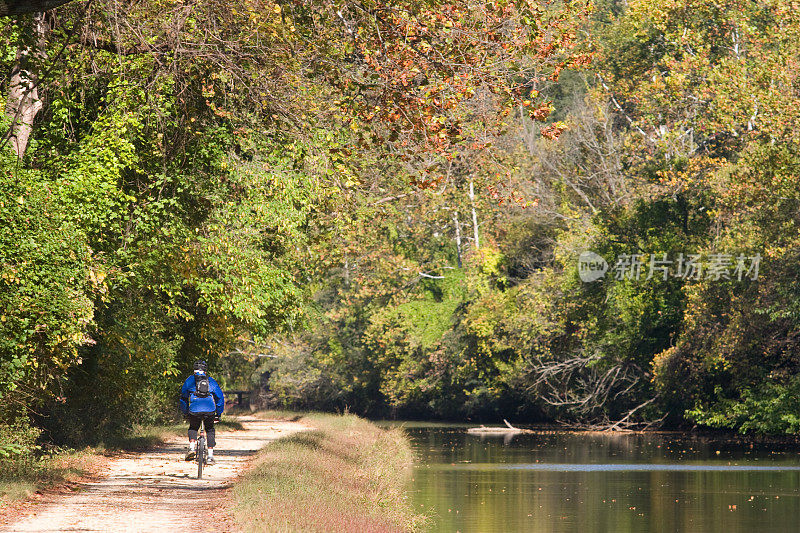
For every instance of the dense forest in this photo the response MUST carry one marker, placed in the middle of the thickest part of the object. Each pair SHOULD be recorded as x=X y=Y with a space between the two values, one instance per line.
x=389 y=207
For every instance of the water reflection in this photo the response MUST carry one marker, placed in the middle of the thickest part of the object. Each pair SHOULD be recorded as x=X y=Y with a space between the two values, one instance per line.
x=597 y=482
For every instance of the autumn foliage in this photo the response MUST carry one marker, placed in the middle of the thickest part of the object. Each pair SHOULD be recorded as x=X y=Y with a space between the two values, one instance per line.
x=392 y=197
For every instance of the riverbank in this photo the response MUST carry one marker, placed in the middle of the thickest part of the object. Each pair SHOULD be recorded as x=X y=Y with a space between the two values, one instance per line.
x=346 y=474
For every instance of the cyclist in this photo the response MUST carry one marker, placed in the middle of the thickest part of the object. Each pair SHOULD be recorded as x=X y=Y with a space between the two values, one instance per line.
x=201 y=399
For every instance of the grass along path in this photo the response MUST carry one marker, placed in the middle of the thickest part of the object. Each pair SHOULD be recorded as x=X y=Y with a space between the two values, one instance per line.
x=345 y=475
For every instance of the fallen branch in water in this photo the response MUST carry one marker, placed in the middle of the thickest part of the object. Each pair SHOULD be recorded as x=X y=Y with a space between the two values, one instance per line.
x=497 y=430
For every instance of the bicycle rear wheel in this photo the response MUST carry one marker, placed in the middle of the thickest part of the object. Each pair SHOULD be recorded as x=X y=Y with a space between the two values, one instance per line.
x=201 y=456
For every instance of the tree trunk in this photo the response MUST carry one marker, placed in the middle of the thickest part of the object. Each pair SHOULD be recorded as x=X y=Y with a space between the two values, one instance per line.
x=23 y=96
x=458 y=238
x=474 y=214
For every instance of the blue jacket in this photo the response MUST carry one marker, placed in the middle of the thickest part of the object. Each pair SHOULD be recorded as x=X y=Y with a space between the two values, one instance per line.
x=191 y=404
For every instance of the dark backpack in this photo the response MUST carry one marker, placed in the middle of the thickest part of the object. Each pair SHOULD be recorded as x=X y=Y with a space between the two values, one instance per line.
x=202 y=388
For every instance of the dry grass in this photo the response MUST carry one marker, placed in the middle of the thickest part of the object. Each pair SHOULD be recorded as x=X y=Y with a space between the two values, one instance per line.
x=345 y=475
x=280 y=414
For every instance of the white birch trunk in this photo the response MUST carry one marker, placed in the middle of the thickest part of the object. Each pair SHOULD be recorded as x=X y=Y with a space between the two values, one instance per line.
x=458 y=238
x=474 y=214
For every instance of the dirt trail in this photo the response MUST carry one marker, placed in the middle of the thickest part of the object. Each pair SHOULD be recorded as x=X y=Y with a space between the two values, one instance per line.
x=156 y=490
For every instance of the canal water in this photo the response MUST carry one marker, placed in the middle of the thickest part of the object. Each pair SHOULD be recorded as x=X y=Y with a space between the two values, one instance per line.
x=554 y=481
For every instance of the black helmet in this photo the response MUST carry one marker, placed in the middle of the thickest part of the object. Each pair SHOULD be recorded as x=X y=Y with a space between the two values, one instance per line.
x=200 y=365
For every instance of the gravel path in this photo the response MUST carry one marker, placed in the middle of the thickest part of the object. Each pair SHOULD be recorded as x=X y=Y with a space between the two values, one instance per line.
x=156 y=490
